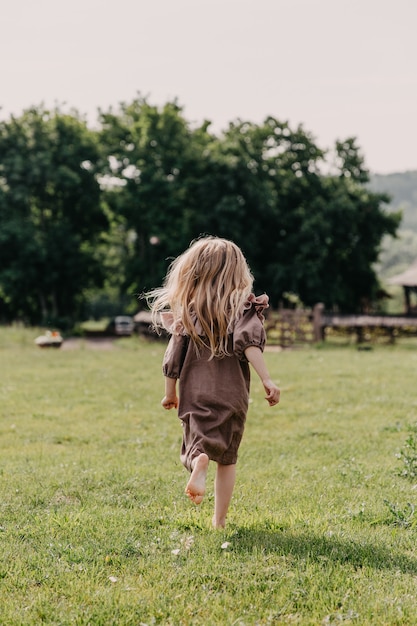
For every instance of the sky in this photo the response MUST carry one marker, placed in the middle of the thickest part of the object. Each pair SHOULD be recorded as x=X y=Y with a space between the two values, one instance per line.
x=340 y=68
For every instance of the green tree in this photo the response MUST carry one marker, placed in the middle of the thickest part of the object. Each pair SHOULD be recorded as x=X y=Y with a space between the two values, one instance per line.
x=257 y=184
x=262 y=185
x=304 y=232
x=152 y=161
x=50 y=215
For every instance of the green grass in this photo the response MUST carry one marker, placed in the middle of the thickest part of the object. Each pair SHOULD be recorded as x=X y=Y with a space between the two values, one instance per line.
x=95 y=528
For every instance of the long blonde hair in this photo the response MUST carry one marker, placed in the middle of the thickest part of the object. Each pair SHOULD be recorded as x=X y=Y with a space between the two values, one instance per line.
x=208 y=284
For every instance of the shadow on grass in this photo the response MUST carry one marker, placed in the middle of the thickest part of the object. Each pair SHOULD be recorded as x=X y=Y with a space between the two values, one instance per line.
x=319 y=548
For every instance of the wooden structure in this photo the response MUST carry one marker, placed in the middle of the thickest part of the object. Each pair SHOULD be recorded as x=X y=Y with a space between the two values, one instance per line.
x=144 y=326
x=360 y=323
x=408 y=281
x=289 y=328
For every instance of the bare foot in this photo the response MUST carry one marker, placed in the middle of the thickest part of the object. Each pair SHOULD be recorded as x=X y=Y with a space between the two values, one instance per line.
x=196 y=486
x=218 y=524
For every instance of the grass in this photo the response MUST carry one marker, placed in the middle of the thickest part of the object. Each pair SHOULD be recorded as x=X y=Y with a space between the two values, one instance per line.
x=95 y=528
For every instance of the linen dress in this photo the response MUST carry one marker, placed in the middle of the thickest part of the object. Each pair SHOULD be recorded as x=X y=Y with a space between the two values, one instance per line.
x=214 y=393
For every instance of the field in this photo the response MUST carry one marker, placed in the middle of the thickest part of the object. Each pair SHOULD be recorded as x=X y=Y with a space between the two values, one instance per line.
x=95 y=528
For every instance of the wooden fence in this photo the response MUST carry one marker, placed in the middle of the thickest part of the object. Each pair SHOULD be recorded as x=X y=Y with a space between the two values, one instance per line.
x=292 y=327
x=289 y=327
x=362 y=325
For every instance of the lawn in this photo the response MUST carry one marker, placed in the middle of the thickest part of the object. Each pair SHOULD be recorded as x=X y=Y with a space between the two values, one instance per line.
x=95 y=528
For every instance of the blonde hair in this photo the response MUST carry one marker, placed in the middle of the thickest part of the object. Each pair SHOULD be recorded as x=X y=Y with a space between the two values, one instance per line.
x=208 y=284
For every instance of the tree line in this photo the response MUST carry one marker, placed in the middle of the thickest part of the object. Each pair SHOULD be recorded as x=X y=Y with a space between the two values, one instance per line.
x=97 y=214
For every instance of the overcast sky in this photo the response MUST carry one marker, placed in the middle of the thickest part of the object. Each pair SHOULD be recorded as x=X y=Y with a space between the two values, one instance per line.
x=338 y=67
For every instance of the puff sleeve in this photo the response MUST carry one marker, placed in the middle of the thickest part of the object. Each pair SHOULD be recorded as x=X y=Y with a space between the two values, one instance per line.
x=174 y=356
x=249 y=329
x=177 y=346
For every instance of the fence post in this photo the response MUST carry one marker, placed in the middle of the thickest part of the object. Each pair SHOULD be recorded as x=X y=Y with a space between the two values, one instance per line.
x=318 y=329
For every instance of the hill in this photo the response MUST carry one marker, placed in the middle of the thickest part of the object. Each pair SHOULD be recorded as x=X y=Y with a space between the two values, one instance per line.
x=402 y=187
x=397 y=254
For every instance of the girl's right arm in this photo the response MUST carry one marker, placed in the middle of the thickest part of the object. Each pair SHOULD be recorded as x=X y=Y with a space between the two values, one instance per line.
x=256 y=359
x=170 y=400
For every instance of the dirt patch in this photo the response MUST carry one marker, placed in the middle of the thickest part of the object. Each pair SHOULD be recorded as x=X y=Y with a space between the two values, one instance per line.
x=99 y=343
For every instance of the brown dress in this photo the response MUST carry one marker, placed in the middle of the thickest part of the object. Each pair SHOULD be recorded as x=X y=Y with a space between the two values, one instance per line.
x=214 y=394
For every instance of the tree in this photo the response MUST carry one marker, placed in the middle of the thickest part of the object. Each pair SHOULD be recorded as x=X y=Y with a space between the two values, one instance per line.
x=303 y=232
x=50 y=215
x=151 y=160
x=261 y=185
x=82 y=209
x=259 y=179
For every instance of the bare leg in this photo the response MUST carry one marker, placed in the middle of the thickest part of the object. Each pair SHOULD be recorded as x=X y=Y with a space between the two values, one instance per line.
x=223 y=490
x=196 y=486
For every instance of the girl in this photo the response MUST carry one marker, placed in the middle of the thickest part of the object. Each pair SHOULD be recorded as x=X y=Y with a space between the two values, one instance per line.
x=216 y=325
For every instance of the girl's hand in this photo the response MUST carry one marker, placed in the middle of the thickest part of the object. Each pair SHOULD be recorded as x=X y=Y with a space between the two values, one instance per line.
x=170 y=402
x=272 y=391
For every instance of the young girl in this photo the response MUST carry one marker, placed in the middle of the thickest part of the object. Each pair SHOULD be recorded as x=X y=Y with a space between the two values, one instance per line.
x=216 y=323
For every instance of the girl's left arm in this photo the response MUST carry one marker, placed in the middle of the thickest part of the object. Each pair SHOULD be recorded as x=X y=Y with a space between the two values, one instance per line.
x=256 y=359
x=170 y=400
